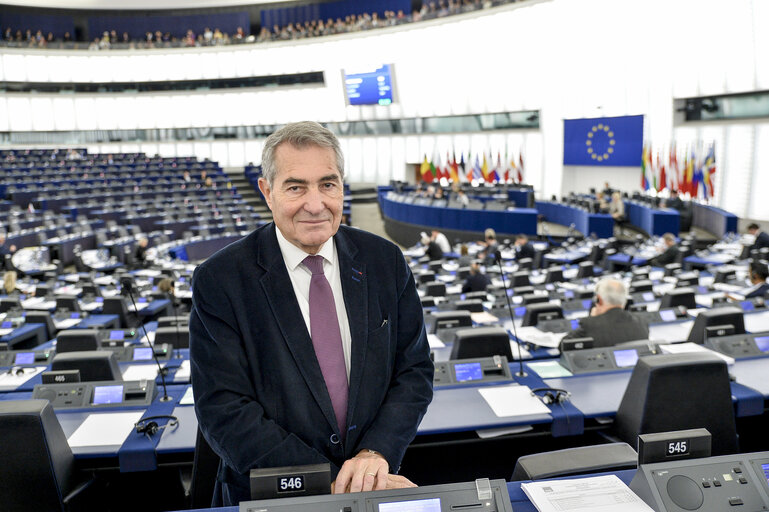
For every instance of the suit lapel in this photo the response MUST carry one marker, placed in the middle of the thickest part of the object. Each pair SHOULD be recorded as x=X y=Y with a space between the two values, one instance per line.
x=280 y=295
x=355 y=289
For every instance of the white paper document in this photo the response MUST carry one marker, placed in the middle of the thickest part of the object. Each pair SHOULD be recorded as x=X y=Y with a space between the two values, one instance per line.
x=512 y=400
x=683 y=348
x=483 y=317
x=434 y=341
x=183 y=373
x=105 y=429
x=141 y=372
x=67 y=323
x=584 y=494
x=188 y=398
x=533 y=335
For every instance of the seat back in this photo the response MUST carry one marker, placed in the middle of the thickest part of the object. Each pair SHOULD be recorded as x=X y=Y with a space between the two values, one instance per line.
x=534 y=311
x=9 y=303
x=74 y=340
x=38 y=467
x=730 y=315
x=178 y=336
x=67 y=302
x=117 y=306
x=45 y=318
x=481 y=342
x=94 y=365
x=679 y=392
x=679 y=297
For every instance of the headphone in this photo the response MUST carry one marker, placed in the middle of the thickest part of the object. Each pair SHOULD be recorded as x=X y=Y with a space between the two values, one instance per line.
x=18 y=371
x=149 y=427
x=552 y=395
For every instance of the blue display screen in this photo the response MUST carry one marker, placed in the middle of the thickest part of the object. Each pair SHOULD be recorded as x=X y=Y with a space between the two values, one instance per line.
x=142 y=354
x=142 y=299
x=371 y=87
x=648 y=296
x=668 y=315
x=625 y=358
x=117 y=335
x=468 y=371
x=762 y=342
x=586 y=303
x=24 y=358
x=99 y=299
x=428 y=505
x=520 y=311
x=107 y=395
x=575 y=323
x=74 y=315
x=568 y=294
x=765 y=468
x=747 y=305
x=7 y=325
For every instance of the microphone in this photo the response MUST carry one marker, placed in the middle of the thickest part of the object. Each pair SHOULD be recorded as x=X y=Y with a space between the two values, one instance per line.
x=126 y=284
x=498 y=259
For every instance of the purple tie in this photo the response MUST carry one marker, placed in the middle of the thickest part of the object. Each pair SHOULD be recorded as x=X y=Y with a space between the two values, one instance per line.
x=327 y=339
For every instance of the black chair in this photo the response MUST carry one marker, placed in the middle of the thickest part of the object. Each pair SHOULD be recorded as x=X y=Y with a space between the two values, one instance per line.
x=205 y=466
x=678 y=392
x=519 y=279
x=426 y=277
x=730 y=315
x=534 y=298
x=94 y=365
x=679 y=297
x=585 y=269
x=554 y=275
x=525 y=264
x=38 y=470
x=575 y=461
x=6 y=304
x=450 y=320
x=435 y=289
x=481 y=342
x=74 y=340
x=168 y=321
x=542 y=311
x=45 y=318
x=471 y=305
x=178 y=336
x=68 y=302
x=117 y=306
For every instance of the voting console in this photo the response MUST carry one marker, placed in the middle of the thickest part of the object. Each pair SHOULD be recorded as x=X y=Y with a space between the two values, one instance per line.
x=483 y=495
x=713 y=484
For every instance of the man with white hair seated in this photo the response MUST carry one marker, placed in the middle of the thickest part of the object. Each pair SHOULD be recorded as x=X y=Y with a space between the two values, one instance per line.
x=609 y=323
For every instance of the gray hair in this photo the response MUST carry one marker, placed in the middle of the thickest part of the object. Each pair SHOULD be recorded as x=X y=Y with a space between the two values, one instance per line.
x=612 y=291
x=299 y=135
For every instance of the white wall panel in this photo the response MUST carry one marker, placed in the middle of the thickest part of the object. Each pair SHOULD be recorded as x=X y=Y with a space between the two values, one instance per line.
x=19 y=114
x=4 y=114
x=42 y=113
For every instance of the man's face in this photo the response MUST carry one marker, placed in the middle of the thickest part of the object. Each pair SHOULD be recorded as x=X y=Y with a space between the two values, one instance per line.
x=307 y=195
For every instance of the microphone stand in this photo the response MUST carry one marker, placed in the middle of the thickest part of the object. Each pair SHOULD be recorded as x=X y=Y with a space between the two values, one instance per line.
x=498 y=258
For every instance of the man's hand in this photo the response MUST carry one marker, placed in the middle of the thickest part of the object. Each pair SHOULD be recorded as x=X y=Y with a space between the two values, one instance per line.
x=366 y=471
x=393 y=482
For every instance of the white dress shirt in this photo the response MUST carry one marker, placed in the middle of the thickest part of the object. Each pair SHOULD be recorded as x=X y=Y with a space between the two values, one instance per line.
x=300 y=279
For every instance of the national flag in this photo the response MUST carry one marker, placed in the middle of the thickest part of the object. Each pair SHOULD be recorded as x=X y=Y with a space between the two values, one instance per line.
x=520 y=167
x=675 y=178
x=498 y=172
x=477 y=173
x=435 y=165
x=454 y=169
x=663 y=182
x=691 y=186
x=699 y=177
x=710 y=171
x=485 y=169
x=644 y=176
x=509 y=167
x=463 y=174
x=427 y=171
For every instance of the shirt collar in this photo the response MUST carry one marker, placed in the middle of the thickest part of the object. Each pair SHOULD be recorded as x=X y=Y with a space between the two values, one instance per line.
x=293 y=255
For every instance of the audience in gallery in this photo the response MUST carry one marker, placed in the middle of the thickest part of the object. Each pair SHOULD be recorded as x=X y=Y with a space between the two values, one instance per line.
x=215 y=37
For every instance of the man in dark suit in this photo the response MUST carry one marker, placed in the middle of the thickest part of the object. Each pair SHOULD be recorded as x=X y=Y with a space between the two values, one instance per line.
x=762 y=238
x=307 y=340
x=674 y=201
x=523 y=248
x=609 y=323
x=477 y=281
x=759 y=287
x=669 y=254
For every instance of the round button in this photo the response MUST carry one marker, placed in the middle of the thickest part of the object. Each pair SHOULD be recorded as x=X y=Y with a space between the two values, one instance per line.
x=685 y=492
x=334 y=439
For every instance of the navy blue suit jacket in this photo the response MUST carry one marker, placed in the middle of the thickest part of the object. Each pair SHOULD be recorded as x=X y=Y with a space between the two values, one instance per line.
x=260 y=397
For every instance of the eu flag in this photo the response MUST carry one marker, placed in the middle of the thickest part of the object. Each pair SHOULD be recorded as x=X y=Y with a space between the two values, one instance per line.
x=609 y=141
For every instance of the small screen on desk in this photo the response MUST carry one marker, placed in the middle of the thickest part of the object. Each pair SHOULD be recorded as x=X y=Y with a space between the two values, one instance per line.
x=625 y=358
x=99 y=299
x=142 y=300
x=142 y=354
x=468 y=371
x=107 y=395
x=74 y=315
x=667 y=315
x=765 y=468
x=428 y=505
x=574 y=323
x=762 y=342
x=747 y=305
x=24 y=358
x=116 y=335
x=568 y=294
x=7 y=325
x=648 y=296
x=586 y=303
x=520 y=311
x=550 y=286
